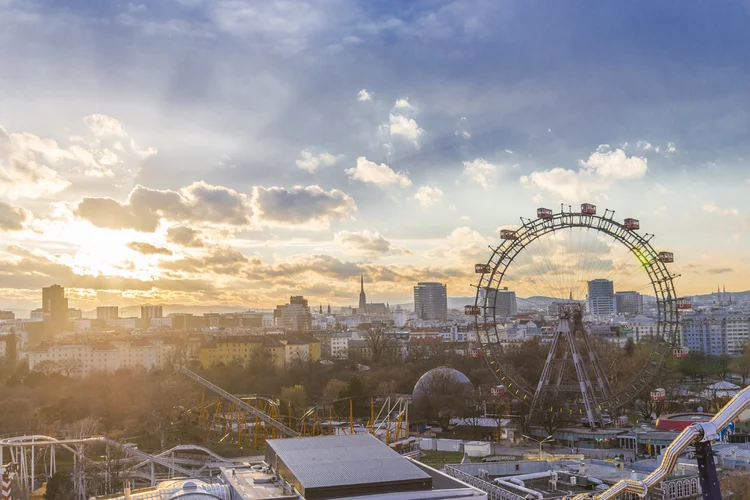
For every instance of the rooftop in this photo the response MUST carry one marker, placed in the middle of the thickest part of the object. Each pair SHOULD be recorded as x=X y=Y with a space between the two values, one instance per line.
x=326 y=466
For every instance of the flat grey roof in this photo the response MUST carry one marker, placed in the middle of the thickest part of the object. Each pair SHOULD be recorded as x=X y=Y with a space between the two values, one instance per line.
x=330 y=461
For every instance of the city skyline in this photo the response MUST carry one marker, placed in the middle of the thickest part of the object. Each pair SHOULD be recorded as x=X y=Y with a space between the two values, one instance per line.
x=163 y=157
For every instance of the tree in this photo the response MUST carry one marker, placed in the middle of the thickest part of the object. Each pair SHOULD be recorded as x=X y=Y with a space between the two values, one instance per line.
x=334 y=388
x=741 y=365
x=296 y=396
x=381 y=344
x=69 y=366
x=721 y=366
x=47 y=367
x=60 y=487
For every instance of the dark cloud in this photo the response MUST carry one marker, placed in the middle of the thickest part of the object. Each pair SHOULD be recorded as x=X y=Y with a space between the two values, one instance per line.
x=719 y=270
x=184 y=236
x=219 y=260
x=12 y=217
x=148 y=248
x=198 y=202
x=302 y=205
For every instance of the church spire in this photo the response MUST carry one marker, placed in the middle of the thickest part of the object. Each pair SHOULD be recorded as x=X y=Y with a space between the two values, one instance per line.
x=362 y=297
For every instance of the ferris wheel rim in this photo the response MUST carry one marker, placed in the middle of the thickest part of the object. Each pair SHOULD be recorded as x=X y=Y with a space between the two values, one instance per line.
x=662 y=281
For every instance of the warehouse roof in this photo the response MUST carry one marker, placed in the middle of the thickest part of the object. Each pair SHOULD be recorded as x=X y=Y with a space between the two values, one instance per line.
x=338 y=463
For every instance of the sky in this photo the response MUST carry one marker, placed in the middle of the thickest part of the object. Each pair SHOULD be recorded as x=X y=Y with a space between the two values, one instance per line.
x=236 y=152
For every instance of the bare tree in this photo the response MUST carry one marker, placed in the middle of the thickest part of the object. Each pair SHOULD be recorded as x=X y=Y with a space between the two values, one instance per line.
x=381 y=344
x=47 y=367
x=69 y=366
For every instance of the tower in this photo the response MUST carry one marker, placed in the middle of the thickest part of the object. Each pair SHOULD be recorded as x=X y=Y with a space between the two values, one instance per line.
x=362 y=297
x=572 y=381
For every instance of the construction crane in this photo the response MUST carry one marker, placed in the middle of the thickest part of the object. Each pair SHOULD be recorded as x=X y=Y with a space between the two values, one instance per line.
x=260 y=415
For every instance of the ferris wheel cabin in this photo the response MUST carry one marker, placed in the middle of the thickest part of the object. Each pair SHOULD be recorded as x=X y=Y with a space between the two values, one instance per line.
x=481 y=268
x=508 y=234
x=684 y=303
x=658 y=394
x=680 y=353
x=666 y=257
x=471 y=310
x=588 y=209
x=632 y=224
x=544 y=213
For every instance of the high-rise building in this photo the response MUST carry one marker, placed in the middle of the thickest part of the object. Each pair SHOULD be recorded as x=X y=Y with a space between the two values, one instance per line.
x=74 y=314
x=601 y=297
x=107 y=313
x=504 y=301
x=55 y=310
x=431 y=301
x=294 y=316
x=716 y=332
x=362 y=297
x=149 y=312
x=7 y=315
x=629 y=303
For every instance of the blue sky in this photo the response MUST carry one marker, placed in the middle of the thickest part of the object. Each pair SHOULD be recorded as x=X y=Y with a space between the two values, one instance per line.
x=333 y=138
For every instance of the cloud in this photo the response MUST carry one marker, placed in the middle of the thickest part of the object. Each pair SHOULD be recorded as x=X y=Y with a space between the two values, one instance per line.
x=462 y=245
x=104 y=125
x=221 y=260
x=711 y=208
x=600 y=172
x=23 y=173
x=380 y=174
x=145 y=208
x=366 y=242
x=428 y=196
x=184 y=236
x=480 y=171
x=403 y=103
x=148 y=248
x=719 y=270
x=311 y=161
x=405 y=127
x=311 y=207
x=12 y=217
x=363 y=95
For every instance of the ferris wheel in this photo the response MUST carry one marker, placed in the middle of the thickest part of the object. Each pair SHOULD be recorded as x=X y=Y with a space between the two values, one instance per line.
x=555 y=260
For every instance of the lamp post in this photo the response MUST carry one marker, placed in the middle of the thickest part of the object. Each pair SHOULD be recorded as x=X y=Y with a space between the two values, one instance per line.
x=548 y=438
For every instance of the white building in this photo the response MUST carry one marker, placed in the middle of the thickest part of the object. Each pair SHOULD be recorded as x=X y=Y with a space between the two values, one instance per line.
x=641 y=326
x=601 y=297
x=82 y=359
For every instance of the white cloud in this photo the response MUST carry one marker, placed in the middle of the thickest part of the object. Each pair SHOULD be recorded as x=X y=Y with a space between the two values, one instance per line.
x=104 y=125
x=615 y=165
x=671 y=148
x=480 y=171
x=644 y=146
x=405 y=127
x=403 y=103
x=711 y=208
x=380 y=174
x=428 y=196
x=311 y=161
x=367 y=243
x=363 y=95
x=23 y=173
x=599 y=172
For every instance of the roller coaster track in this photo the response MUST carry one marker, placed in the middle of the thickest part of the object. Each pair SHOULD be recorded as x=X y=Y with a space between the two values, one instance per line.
x=696 y=434
x=262 y=416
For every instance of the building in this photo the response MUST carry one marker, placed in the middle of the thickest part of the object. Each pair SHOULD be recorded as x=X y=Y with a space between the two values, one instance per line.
x=431 y=301
x=107 y=313
x=37 y=314
x=716 y=332
x=7 y=315
x=294 y=316
x=334 y=345
x=504 y=302
x=54 y=310
x=362 y=309
x=74 y=314
x=150 y=312
x=278 y=349
x=86 y=358
x=601 y=297
x=630 y=303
